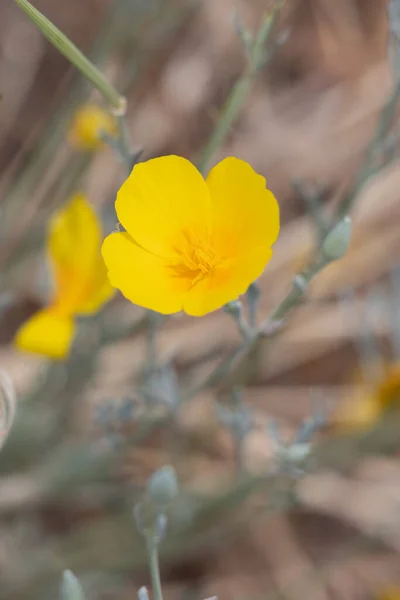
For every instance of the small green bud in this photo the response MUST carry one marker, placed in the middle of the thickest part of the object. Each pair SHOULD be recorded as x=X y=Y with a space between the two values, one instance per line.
x=337 y=241
x=162 y=487
x=70 y=588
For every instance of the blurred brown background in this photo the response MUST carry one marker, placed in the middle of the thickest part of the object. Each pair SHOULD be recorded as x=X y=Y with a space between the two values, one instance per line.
x=310 y=115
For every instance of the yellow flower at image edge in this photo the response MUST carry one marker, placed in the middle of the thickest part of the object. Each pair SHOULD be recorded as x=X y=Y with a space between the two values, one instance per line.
x=389 y=593
x=88 y=123
x=80 y=280
x=366 y=407
x=190 y=244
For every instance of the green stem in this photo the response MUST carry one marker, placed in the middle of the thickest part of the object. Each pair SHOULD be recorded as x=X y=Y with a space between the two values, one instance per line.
x=152 y=554
x=234 y=360
x=368 y=167
x=124 y=144
x=73 y=54
x=229 y=115
x=239 y=455
x=296 y=293
x=240 y=90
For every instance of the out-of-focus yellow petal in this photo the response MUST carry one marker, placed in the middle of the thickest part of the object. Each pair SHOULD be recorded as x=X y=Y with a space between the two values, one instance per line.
x=364 y=408
x=391 y=592
x=143 y=278
x=162 y=199
x=358 y=412
x=87 y=125
x=245 y=213
x=98 y=292
x=46 y=333
x=225 y=283
x=74 y=243
x=74 y=235
x=387 y=391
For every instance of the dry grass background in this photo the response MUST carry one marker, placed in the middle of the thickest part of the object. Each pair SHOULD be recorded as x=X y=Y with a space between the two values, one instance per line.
x=309 y=116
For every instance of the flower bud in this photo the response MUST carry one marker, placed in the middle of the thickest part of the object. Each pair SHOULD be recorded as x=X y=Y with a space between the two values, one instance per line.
x=162 y=487
x=71 y=589
x=88 y=124
x=337 y=241
x=143 y=593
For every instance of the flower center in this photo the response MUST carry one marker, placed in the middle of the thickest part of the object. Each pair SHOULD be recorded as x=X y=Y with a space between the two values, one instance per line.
x=196 y=259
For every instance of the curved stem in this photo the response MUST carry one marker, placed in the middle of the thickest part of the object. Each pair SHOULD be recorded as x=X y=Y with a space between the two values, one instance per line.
x=152 y=554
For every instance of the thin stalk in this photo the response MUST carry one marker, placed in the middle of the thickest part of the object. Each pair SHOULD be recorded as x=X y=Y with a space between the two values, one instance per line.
x=229 y=115
x=240 y=90
x=64 y=45
x=369 y=168
x=296 y=293
x=152 y=555
x=238 y=356
x=239 y=455
x=125 y=146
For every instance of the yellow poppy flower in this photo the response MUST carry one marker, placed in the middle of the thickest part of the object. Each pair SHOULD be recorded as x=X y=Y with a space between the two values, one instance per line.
x=87 y=125
x=366 y=407
x=190 y=244
x=389 y=593
x=80 y=280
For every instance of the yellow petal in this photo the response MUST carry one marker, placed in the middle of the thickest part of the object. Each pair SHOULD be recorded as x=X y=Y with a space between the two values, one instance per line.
x=99 y=292
x=245 y=212
x=162 y=198
x=74 y=249
x=225 y=283
x=142 y=277
x=74 y=235
x=46 y=333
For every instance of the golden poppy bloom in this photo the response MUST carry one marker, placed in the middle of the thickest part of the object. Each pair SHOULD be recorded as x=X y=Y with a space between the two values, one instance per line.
x=389 y=593
x=190 y=244
x=80 y=280
x=370 y=404
x=87 y=125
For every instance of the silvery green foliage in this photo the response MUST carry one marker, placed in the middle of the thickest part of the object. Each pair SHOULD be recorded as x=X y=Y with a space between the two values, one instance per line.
x=8 y=401
x=238 y=417
x=70 y=588
x=238 y=420
x=253 y=295
x=161 y=387
x=290 y=456
x=111 y=414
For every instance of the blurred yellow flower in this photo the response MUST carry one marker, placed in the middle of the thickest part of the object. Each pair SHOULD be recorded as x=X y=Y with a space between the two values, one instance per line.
x=87 y=125
x=190 y=244
x=80 y=280
x=389 y=593
x=368 y=405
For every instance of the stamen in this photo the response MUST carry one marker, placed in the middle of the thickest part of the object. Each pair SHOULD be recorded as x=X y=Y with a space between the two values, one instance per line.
x=197 y=259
